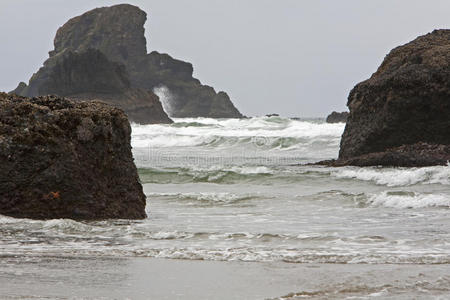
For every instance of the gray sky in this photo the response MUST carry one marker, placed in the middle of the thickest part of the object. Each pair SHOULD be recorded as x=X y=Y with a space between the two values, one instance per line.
x=293 y=57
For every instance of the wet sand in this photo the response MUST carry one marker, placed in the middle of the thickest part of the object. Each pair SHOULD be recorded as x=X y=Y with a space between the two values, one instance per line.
x=149 y=278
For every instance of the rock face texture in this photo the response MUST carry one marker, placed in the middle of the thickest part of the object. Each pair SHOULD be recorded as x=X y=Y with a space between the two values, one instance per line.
x=337 y=117
x=118 y=33
x=404 y=108
x=66 y=159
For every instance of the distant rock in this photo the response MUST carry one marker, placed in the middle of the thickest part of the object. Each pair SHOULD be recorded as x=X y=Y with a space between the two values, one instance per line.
x=66 y=159
x=400 y=116
x=337 y=117
x=20 y=88
x=118 y=33
x=272 y=115
x=90 y=75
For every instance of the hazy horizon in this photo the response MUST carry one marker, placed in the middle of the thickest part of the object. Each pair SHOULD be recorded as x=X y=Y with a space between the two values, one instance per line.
x=295 y=58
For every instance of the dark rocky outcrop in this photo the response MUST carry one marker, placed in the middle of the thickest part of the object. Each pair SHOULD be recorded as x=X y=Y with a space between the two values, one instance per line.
x=90 y=75
x=66 y=159
x=337 y=117
x=118 y=33
x=400 y=116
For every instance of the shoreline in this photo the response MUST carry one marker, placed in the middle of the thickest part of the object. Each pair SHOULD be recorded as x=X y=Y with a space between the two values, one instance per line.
x=154 y=278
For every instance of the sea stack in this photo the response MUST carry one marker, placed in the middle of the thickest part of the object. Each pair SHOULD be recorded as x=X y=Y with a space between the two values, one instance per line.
x=401 y=115
x=66 y=159
x=117 y=32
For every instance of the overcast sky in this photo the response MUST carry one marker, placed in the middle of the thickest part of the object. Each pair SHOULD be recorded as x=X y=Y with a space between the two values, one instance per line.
x=293 y=57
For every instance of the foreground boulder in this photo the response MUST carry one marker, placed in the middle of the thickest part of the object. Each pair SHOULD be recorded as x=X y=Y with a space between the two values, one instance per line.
x=337 y=117
x=401 y=115
x=118 y=33
x=66 y=159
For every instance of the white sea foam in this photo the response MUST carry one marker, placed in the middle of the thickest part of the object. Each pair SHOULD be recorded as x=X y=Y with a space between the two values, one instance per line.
x=398 y=176
x=251 y=170
x=66 y=225
x=409 y=200
x=8 y=220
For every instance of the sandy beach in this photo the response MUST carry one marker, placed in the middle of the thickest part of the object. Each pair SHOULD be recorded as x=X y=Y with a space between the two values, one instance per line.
x=149 y=278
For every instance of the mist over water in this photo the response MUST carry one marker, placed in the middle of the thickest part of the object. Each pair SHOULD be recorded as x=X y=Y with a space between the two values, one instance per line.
x=233 y=190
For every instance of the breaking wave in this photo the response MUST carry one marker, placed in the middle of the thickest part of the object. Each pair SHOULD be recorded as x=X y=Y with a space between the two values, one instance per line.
x=269 y=133
x=409 y=200
x=213 y=174
x=397 y=176
x=273 y=174
x=207 y=198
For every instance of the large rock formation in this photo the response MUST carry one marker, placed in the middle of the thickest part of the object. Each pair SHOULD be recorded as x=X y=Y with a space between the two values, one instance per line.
x=401 y=115
x=118 y=33
x=66 y=159
x=337 y=117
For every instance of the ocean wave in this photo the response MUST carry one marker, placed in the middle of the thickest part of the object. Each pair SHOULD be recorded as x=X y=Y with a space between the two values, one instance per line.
x=208 y=198
x=277 y=133
x=213 y=174
x=246 y=254
x=409 y=200
x=397 y=176
x=245 y=236
x=123 y=238
x=217 y=141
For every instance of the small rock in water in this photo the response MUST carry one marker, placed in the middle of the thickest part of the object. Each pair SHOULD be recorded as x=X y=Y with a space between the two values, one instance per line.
x=337 y=117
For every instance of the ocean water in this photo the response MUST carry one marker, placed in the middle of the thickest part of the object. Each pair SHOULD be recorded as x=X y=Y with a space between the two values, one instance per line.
x=236 y=191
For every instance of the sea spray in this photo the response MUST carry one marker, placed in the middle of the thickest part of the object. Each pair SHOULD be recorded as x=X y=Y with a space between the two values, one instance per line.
x=166 y=98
